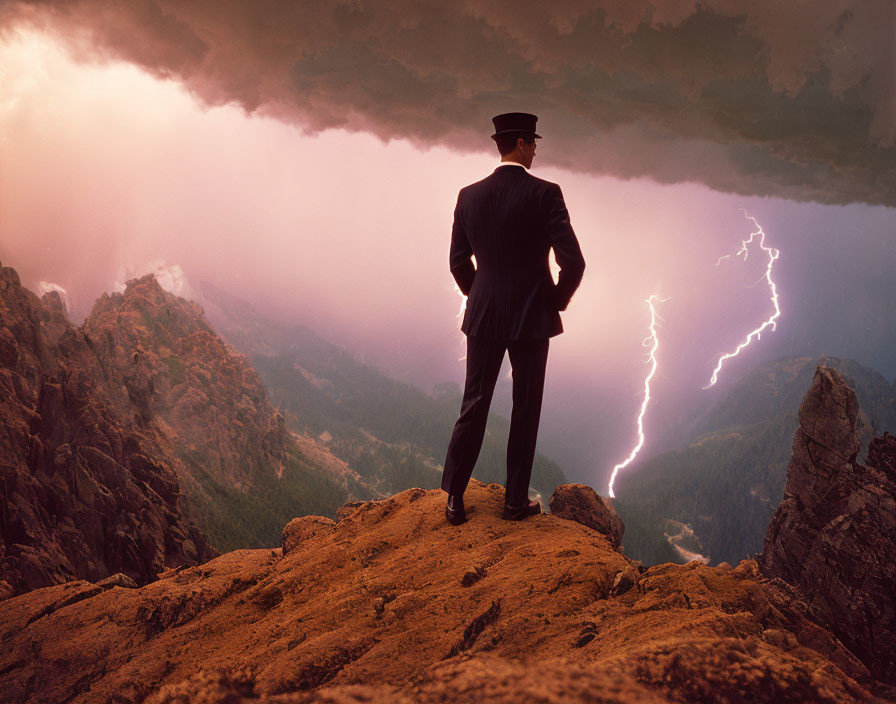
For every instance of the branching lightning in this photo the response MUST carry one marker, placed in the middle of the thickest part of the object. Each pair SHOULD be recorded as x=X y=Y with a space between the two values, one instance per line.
x=652 y=341
x=770 y=323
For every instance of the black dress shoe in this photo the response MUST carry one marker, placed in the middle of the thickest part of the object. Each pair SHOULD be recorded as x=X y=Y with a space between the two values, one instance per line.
x=454 y=510
x=518 y=513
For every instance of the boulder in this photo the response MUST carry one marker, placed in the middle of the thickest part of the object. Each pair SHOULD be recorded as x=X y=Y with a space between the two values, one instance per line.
x=301 y=529
x=580 y=503
x=623 y=581
x=117 y=580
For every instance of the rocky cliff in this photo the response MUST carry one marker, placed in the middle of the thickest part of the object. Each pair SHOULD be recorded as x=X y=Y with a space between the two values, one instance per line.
x=171 y=367
x=833 y=535
x=138 y=440
x=87 y=490
x=242 y=472
x=392 y=604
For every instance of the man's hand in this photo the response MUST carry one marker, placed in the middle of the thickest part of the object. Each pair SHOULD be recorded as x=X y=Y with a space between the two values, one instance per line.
x=557 y=299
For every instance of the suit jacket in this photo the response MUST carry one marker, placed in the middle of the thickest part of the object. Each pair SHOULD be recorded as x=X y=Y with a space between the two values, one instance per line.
x=510 y=221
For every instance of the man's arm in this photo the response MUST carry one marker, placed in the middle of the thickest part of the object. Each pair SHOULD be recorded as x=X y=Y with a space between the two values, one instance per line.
x=460 y=259
x=566 y=247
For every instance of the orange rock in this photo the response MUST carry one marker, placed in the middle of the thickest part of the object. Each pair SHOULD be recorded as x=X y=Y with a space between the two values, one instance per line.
x=374 y=608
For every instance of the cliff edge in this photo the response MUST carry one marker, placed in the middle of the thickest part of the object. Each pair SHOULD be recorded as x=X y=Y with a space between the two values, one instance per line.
x=390 y=603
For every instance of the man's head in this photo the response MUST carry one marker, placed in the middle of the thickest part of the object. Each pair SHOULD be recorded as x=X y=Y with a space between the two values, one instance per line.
x=515 y=136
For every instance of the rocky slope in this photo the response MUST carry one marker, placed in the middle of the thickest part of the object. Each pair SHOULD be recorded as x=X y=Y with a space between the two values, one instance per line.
x=242 y=471
x=162 y=353
x=139 y=440
x=833 y=535
x=392 y=604
x=88 y=491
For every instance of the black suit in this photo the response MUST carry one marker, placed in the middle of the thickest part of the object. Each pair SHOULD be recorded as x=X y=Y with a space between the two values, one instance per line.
x=509 y=221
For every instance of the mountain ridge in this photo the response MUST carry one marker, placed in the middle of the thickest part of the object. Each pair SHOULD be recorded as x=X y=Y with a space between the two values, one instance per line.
x=243 y=471
x=87 y=491
x=140 y=439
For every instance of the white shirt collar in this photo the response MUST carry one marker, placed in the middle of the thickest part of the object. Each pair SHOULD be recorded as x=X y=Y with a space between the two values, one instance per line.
x=512 y=163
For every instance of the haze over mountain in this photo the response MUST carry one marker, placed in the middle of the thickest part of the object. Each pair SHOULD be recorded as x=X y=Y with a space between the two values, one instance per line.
x=392 y=433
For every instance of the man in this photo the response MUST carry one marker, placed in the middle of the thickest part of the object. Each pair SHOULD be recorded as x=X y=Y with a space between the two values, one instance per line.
x=509 y=222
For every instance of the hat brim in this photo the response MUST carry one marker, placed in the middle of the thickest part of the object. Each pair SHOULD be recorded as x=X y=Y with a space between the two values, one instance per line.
x=521 y=133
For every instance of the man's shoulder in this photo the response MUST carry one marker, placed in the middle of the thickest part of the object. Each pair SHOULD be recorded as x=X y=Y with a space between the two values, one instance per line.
x=543 y=184
x=503 y=172
x=471 y=188
x=535 y=183
x=481 y=183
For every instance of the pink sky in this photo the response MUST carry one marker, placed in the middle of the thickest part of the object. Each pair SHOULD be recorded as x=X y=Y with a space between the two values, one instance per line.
x=106 y=173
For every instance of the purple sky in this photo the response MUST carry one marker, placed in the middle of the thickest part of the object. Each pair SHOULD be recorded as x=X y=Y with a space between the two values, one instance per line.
x=107 y=172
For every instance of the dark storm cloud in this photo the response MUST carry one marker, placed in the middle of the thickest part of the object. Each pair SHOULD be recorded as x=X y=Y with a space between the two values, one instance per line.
x=790 y=99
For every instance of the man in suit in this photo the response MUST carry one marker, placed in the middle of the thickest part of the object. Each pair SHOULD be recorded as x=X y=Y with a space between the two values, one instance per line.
x=509 y=222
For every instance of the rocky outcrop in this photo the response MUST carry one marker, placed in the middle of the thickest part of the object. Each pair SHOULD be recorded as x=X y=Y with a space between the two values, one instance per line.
x=160 y=350
x=833 y=535
x=133 y=442
x=242 y=472
x=378 y=607
x=580 y=503
x=86 y=492
x=300 y=530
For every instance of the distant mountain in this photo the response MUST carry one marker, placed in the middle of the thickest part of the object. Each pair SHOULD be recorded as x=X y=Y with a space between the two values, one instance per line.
x=140 y=441
x=393 y=434
x=725 y=483
x=89 y=488
x=779 y=386
x=241 y=469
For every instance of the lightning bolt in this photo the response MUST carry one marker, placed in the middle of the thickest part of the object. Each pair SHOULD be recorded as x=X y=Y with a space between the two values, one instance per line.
x=652 y=341
x=770 y=323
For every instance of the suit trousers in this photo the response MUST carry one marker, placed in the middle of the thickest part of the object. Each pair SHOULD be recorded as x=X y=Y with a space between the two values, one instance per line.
x=528 y=361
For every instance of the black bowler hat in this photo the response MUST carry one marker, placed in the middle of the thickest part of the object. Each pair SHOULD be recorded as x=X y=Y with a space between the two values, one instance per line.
x=521 y=123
